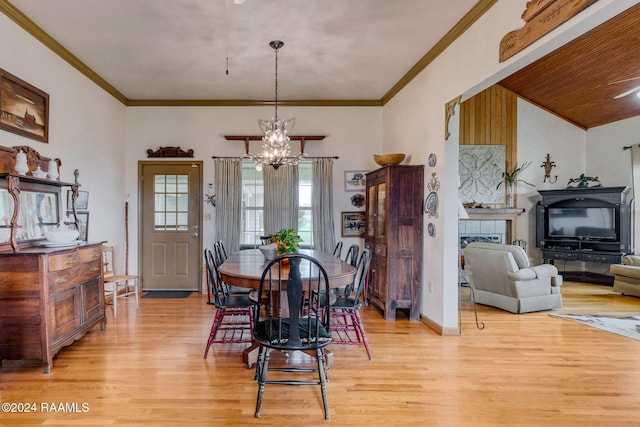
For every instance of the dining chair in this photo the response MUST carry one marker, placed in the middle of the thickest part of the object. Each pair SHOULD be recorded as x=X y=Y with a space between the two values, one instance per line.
x=117 y=286
x=234 y=316
x=337 y=251
x=219 y=255
x=346 y=324
x=352 y=255
x=289 y=325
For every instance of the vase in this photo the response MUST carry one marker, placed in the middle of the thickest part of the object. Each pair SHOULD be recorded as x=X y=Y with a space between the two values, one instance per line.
x=511 y=195
x=21 y=163
x=52 y=170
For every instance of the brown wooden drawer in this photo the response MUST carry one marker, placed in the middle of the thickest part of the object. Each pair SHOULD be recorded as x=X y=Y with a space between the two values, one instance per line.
x=63 y=261
x=91 y=254
x=64 y=279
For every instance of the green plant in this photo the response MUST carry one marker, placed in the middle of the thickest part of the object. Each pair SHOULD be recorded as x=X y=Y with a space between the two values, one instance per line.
x=511 y=177
x=287 y=241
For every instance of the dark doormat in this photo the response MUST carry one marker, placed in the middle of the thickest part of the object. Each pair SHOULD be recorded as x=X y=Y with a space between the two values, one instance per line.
x=167 y=294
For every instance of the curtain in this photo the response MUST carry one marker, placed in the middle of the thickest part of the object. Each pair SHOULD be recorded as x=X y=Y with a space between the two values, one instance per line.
x=322 y=205
x=228 y=202
x=635 y=172
x=280 y=198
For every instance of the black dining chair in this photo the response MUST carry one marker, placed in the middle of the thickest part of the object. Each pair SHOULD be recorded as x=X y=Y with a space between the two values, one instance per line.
x=346 y=324
x=293 y=321
x=352 y=255
x=234 y=317
x=220 y=254
x=337 y=251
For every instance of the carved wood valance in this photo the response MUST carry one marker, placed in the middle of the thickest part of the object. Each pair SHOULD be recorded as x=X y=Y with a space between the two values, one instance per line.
x=249 y=138
x=169 y=152
x=540 y=16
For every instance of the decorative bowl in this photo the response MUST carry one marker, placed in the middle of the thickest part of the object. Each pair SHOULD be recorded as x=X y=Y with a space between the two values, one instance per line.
x=388 y=159
x=62 y=235
x=269 y=251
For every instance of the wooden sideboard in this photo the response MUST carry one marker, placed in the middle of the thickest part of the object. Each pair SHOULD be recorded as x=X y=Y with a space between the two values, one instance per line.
x=49 y=298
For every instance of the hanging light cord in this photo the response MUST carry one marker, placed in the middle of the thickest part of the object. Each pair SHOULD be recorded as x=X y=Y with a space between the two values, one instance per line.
x=227 y=38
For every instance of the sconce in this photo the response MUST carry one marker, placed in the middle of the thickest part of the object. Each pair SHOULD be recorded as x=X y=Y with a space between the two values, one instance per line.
x=210 y=198
x=548 y=165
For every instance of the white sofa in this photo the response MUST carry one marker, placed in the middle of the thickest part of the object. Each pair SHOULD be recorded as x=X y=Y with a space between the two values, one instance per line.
x=502 y=277
x=627 y=275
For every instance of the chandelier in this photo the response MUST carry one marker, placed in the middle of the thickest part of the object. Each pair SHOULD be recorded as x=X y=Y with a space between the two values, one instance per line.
x=276 y=151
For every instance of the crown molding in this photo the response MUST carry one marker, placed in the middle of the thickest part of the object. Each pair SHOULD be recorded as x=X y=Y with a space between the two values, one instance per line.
x=252 y=103
x=479 y=9
x=29 y=26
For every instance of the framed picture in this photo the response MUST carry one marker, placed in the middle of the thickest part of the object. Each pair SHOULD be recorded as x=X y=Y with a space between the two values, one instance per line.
x=83 y=223
x=24 y=109
x=354 y=180
x=353 y=224
x=82 y=201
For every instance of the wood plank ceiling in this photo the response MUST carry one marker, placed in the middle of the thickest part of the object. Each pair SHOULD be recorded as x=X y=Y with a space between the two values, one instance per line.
x=580 y=80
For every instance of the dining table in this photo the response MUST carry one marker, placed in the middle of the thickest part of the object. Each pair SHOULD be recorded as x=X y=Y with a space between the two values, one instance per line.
x=244 y=269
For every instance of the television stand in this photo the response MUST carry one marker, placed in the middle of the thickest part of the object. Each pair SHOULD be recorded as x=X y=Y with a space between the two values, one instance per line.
x=588 y=277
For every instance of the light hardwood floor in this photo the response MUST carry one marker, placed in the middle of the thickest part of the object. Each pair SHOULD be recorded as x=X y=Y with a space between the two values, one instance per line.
x=147 y=369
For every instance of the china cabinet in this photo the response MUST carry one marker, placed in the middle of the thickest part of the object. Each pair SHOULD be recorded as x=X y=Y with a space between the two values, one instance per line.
x=50 y=294
x=393 y=233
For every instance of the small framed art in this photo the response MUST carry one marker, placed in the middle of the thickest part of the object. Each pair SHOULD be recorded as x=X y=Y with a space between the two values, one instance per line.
x=24 y=109
x=354 y=180
x=353 y=224
x=82 y=201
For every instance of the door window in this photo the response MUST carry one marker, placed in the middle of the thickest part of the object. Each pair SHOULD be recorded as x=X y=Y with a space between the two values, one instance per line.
x=171 y=202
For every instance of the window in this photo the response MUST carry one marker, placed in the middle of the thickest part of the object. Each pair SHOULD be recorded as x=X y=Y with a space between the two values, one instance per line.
x=171 y=202
x=252 y=221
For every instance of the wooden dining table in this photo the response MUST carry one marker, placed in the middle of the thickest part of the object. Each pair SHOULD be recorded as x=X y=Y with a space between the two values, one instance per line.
x=244 y=268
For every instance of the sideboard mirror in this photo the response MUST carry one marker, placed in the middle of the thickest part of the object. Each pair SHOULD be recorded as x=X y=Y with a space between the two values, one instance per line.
x=39 y=213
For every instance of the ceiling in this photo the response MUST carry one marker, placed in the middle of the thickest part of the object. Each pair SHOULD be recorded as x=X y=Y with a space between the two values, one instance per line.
x=580 y=80
x=178 y=49
x=336 y=52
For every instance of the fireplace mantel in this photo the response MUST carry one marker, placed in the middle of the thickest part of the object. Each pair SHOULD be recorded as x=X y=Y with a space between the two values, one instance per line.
x=497 y=214
x=507 y=214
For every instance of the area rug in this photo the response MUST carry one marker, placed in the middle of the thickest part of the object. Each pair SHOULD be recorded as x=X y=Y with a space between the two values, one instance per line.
x=628 y=326
x=167 y=294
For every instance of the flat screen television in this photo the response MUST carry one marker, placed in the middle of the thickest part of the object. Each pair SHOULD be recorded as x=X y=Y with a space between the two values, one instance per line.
x=584 y=223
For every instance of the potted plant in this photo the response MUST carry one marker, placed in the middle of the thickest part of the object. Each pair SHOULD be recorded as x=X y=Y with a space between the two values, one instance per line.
x=510 y=180
x=287 y=241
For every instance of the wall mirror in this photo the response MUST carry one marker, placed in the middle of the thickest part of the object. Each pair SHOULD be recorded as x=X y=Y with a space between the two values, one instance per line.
x=39 y=213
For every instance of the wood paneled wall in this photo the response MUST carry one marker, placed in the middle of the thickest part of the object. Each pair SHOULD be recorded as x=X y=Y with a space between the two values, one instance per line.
x=491 y=118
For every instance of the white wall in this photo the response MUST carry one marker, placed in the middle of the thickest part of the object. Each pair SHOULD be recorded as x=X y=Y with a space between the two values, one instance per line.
x=86 y=129
x=414 y=122
x=354 y=134
x=539 y=133
x=606 y=158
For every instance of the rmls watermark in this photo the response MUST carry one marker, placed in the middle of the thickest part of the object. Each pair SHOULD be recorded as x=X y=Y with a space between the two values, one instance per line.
x=48 y=407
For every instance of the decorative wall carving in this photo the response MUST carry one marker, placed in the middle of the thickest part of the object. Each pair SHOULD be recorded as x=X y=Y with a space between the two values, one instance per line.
x=480 y=168
x=540 y=16
x=169 y=152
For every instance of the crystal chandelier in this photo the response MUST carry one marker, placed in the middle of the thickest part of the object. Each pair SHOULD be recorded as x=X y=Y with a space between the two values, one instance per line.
x=276 y=151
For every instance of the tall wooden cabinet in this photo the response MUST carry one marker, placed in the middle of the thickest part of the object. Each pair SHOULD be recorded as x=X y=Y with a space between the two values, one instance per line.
x=394 y=235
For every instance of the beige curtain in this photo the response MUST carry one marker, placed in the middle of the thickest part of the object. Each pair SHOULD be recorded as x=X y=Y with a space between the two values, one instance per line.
x=322 y=205
x=635 y=212
x=228 y=202
x=280 y=198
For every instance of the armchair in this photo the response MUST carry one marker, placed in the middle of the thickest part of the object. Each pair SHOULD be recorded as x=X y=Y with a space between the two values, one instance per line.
x=502 y=277
x=627 y=275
